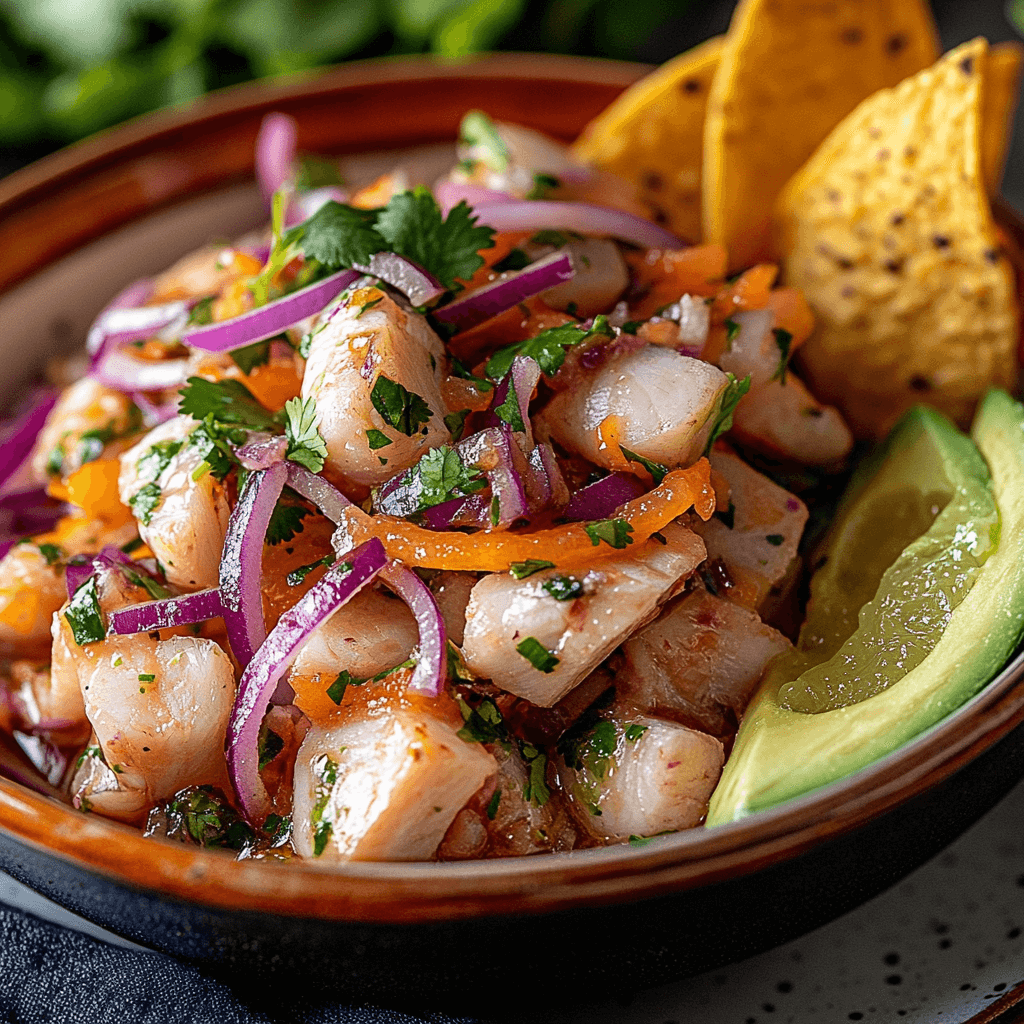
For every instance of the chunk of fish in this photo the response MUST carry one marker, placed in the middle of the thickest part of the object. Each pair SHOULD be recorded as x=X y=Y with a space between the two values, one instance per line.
x=600 y=277
x=617 y=598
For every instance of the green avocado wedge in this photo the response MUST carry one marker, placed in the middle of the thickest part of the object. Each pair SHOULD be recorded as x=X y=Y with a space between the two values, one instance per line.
x=781 y=753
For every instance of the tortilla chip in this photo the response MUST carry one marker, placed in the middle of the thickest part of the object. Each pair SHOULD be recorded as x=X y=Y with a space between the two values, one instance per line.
x=653 y=135
x=790 y=71
x=888 y=232
x=998 y=105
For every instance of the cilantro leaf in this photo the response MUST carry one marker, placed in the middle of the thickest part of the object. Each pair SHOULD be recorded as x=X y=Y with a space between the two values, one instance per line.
x=377 y=439
x=537 y=654
x=614 y=532
x=563 y=588
x=286 y=521
x=202 y=312
x=51 y=553
x=484 y=723
x=732 y=330
x=399 y=408
x=492 y=805
x=412 y=226
x=547 y=349
x=270 y=745
x=536 y=789
x=656 y=469
x=542 y=185
x=248 y=357
x=337 y=236
x=520 y=570
x=305 y=445
x=210 y=440
x=144 y=501
x=517 y=259
x=456 y=422
x=635 y=730
x=316 y=172
x=509 y=411
x=439 y=476
x=336 y=691
x=784 y=339
x=458 y=370
x=296 y=577
x=227 y=401
x=157 y=458
x=731 y=396
x=478 y=132
x=83 y=614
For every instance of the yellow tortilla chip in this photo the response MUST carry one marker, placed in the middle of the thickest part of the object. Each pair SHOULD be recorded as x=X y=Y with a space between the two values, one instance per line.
x=790 y=71
x=999 y=103
x=653 y=135
x=888 y=232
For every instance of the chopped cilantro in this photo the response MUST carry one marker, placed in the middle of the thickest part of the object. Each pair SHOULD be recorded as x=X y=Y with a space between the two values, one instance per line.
x=144 y=502
x=335 y=236
x=542 y=185
x=399 y=408
x=536 y=789
x=202 y=312
x=495 y=511
x=520 y=570
x=248 y=357
x=732 y=330
x=286 y=521
x=91 y=751
x=456 y=423
x=656 y=469
x=537 y=655
x=55 y=460
x=146 y=677
x=326 y=772
x=411 y=225
x=203 y=816
x=563 y=588
x=210 y=439
x=775 y=539
x=145 y=581
x=731 y=396
x=278 y=828
x=478 y=132
x=458 y=671
x=132 y=545
x=439 y=476
x=591 y=750
x=484 y=723
x=547 y=348
x=336 y=691
x=639 y=840
x=270 y=745
x=92 y=442
x=321 y=837
x=492 y=804
x=515 y=260
x=305 y=445
x=297 y=576
x=784 y=339
x=377 y=439
x=83 y=614
x=227 y=401
x=51 y=553
x=509 y=411
x=614 y=532
x=631 y=326
x=728 y=517
x=480 y=383
x=548 y=236
x=635 y=730
x=157 y=458
x=369 y=305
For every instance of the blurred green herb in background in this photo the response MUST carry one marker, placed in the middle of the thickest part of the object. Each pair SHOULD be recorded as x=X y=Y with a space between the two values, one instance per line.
x=71 y=67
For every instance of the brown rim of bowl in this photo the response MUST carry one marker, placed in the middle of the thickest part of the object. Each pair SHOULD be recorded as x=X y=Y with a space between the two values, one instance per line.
x=422 y=892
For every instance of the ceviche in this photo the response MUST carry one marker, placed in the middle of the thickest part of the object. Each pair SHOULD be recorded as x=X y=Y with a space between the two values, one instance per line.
x=490 y=516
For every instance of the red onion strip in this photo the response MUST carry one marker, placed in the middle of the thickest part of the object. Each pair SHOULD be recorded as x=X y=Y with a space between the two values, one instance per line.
x=316 y=489
x=601 y=498
x=432 y=662
x=241 y=563
x=419 y=286
x=121 y=326
x=266 y=321
x=341 y=582
x=587 y=219
x=481 y=305
x=450 y=193
x=20 y=433
x=171 y=611
x=116 y=369
x=275 y=153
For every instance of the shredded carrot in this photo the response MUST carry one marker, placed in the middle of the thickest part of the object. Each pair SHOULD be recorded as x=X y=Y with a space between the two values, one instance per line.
x=749 y=291
x=609 y=437
x=377 y=193
x=93 y=488
x=494 y=551
x=663 y=276
x=272 y=384
x=718 y=337
x=792 y=314
x=244 y=263
x=504 y=243
x=19 y=609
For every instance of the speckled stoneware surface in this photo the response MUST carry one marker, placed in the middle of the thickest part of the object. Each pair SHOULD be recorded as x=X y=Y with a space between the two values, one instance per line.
x=946 y=944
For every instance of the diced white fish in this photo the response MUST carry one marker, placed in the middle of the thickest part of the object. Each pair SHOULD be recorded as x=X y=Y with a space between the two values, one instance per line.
x=757 y=536
x=186 y=527
x=700 y=660
x=600 y=277
x=385 y=783
x=618 y=597
x=634 y=775
x=85 y=406
x=369 y=342
x=371 y=633
x=780 y=417
x=654 y=401
x=684 y=326
x=451 y=591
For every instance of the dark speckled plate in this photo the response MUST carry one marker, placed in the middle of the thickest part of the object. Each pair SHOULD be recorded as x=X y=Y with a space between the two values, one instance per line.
x=74 y=228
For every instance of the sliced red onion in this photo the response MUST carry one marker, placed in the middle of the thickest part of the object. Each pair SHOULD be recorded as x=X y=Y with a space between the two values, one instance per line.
x=47 y=758
x=116 y=369
x=432 y=660
x=78 y=570
x=121 y=326
x=275 y=153
x=305 y=204
x=262 y=451
x=472 y=511
x=419 y=286
x=601 y=498
x=481 y=305
x=585 y=218
x=18 y=435
x=450 y=193
x=259 y=680
x=171 y=611
x=316 y=489
x=154 y=413
x=544 y=483
x=241 y=565
x=522 y=378
x=266 y=321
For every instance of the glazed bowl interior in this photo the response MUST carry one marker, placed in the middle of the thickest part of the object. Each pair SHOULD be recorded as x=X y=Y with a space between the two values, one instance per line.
x=78 y=226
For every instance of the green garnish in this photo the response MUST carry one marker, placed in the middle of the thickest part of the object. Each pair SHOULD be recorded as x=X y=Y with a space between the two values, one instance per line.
x=537 y=655
x=316 y=172
x=336 y=691
x=146 y=677
x=456 y=423
x=548 y=348
x=478 y=132
x=731 y=396
x=520 y=570
x=563 y=588
x=202 y=312
x=509 y=411
x=297 y=576
x=227 y=401
x=305 y=444
x=398 y=407
x=484 y=723
x=515 y=260
x=635 y=730
x=727 y=517
x=492 y=805
x=732 y=330
x=536 y=789
x=543 y=184
x=784 y=339
x=377 y=439
x=775 y=539
x=458 y=370
x=83 y=614
x=157 y=458
x=270 y=745
x=51 y=553
x=144 y=502
x=614 y=532
x=248 y=357
x=286 y=520
x=656 y=469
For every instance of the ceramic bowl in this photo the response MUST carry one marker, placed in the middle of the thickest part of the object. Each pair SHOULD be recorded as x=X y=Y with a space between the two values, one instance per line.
x=80 y=224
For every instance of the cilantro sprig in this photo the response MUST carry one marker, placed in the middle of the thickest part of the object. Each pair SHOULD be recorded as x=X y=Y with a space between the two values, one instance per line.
x=548 y=348
x=398 y=407
x=301 y=426
x=227 y=401
x=731 y=396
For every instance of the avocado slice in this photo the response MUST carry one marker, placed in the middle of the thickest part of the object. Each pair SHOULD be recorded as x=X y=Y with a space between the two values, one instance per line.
x=780 y=752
